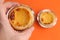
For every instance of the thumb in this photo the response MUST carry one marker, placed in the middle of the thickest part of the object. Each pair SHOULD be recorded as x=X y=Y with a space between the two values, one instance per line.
x=2 y=13
x=4 y=20
x=27 y=33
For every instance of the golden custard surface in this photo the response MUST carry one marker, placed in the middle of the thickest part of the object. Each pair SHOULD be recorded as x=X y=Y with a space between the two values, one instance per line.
x=21 y=17
x=46 y=18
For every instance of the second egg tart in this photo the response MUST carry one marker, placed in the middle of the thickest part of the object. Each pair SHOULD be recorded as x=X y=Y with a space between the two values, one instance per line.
x=21 y=17
x=46 y=18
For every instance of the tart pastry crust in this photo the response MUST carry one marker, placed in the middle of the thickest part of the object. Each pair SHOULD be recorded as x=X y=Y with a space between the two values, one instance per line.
x=21 y=17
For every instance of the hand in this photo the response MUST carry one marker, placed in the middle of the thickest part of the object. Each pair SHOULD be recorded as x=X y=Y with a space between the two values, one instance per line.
x=6 y=31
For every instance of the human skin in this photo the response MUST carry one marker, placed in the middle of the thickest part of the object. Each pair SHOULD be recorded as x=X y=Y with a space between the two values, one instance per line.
x=6 y=31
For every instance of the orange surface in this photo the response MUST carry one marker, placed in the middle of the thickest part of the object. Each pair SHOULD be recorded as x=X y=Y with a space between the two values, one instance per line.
x=39 y=32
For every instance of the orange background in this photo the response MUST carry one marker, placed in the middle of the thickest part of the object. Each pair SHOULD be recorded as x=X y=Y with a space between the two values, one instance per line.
x=39 y=32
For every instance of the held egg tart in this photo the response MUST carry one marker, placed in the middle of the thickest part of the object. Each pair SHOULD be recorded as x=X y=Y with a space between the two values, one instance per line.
x=21 y=17
x=46 y=18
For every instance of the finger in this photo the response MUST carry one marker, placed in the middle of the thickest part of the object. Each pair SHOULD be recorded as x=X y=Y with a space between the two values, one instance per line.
x=28 y=32
x=4 y=10
x=8 y=5
x=25 y=35
x=4 y=20
x=1 y=1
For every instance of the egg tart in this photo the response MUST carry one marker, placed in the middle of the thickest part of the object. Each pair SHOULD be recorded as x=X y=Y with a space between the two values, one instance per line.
x=46 y=18
x=21 y=17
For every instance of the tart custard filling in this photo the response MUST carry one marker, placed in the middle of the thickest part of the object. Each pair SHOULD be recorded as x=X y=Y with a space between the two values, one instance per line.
x=19 y=17
x=46 y=18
